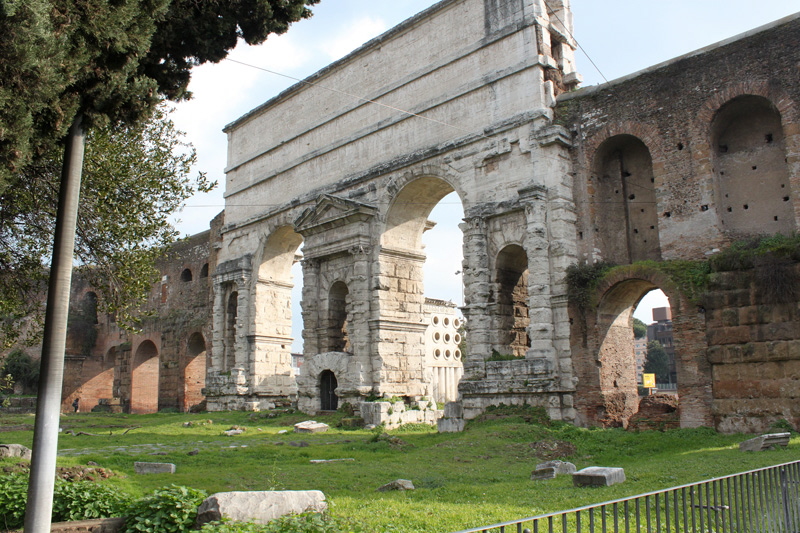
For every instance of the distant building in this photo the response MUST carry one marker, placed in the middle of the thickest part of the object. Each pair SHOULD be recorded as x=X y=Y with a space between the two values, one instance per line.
x=640 y=350
x=661 y=330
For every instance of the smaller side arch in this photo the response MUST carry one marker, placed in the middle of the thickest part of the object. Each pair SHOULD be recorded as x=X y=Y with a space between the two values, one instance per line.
x=145 y=379
x=606 y=391
x=194 y=372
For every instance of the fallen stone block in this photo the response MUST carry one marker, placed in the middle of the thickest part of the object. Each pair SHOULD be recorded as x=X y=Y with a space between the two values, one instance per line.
x=551 y=469
x=232 y=432
x=15 y=450
x=259 y=506
x=310 y=426
x=397 y=484
x=153 y=468
x=765 y=442
x=599 y=476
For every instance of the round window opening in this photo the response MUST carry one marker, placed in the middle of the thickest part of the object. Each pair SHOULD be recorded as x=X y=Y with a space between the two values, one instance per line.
x=447 y=354
x=437 y=353
x=457 y=338
x=446 y=321
x=437 y=336
x=456 y=322
x=447 y=337
x=457 y=354
x=435 y=320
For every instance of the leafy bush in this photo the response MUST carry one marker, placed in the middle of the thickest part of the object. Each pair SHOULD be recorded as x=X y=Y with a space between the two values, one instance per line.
x=304 y=523
x=13 y=497
x=170 y=509
x=80 y=500
x=71 y=500
x=22 y=368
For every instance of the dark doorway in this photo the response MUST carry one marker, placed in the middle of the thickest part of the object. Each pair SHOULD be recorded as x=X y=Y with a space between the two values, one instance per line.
x=327 y=386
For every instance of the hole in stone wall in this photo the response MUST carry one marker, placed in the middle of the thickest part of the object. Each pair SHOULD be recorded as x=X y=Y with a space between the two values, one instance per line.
x=755 y=167
x=768 y=138
x=680 y=146
x=785 y=198
x=631 y=197
x=746 y=206
x=703 y=208
x=723 y=148
x=667 y=214
x=730 y=210
x=775 y=218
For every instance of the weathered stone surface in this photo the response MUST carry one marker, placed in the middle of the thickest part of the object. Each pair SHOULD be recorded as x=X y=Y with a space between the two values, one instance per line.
x=15 y=450
x=311 y=426
x=259 y=506
x=598 y=476
x=765 y=442
x=397 y=484
x=550 y=469
x=153 y=468
x=450 y=425
x=99 y=525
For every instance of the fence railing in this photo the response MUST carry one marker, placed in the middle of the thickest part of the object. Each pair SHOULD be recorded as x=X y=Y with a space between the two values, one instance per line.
x=766 y=500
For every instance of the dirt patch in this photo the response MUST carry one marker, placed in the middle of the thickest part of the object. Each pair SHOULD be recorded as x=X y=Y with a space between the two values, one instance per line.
x=68 y=473
x=656 y=412
x=553 y=449
x=23 y=427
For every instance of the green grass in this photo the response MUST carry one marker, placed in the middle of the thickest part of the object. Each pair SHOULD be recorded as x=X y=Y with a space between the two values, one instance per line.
x=468 y=479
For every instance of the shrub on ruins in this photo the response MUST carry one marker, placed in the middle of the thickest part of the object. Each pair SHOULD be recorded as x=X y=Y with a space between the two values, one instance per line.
x=170 y=509
x=639 y=329
x=78 y=500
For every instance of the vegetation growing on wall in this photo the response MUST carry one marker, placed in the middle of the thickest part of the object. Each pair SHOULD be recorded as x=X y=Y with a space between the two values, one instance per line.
x=773 y=257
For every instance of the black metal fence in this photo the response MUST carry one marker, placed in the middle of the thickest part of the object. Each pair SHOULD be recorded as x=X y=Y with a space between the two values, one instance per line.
x=766 y=500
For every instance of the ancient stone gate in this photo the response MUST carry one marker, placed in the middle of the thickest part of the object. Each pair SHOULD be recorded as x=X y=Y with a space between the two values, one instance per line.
x=476 y=97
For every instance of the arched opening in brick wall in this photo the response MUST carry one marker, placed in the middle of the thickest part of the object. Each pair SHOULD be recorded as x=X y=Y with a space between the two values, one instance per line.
x=623 y=201
x=194 y=372
x=752 y=177
x=511 y=313
x=186 y=275
x=338 y=337
x=145 y=379
x=616 y=355
x=421 y=256
x=229 y=339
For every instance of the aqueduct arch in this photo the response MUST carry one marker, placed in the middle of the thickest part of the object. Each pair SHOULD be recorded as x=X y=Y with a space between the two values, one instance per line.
x=605 y=364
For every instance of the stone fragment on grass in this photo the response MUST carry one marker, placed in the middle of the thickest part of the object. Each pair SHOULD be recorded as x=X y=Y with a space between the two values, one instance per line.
x=259 y=506
x=153 y=468
x=15 y=450
x=311 y=426
x=550 y=469
x=600 y=476
x=765 y=442
x=397 y=484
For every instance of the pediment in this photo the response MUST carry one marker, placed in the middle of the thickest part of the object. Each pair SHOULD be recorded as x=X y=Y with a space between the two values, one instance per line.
x=333 y=211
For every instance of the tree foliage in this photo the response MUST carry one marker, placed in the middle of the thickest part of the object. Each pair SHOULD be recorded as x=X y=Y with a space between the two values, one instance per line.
x=639 y=328
x=657 y=362
x=135 y=178
x=111 y=63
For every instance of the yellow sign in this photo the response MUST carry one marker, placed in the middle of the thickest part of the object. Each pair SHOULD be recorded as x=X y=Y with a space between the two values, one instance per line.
x=649 y=381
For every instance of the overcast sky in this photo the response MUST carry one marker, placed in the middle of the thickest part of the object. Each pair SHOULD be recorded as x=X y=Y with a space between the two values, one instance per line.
x=620 y=37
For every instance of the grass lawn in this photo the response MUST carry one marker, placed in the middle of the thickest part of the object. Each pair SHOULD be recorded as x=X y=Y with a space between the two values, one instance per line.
x=462 y=480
